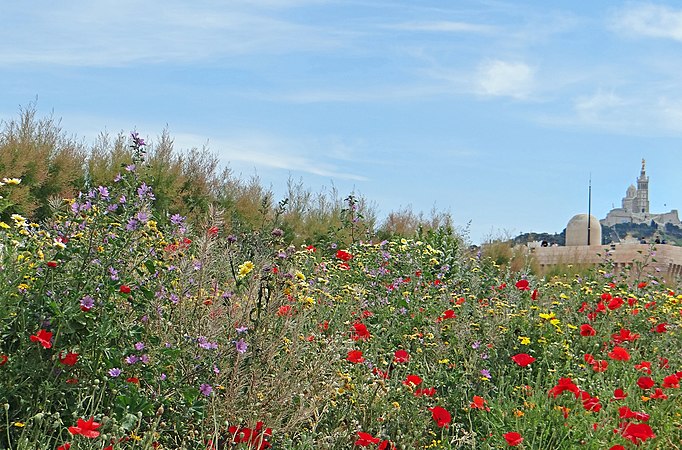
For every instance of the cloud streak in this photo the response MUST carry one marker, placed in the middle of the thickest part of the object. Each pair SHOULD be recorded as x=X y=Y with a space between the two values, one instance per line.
x=110 y=34
x=443 y=27
x=505 y=78
x=262 y=151
x=648 y=20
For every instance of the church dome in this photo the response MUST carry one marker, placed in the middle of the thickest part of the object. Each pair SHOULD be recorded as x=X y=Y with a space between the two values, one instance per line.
x=631 y=192
x=576 y=230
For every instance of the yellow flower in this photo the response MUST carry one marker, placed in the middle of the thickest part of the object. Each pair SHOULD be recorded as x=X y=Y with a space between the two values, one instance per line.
x=300 y=276
x=4 y=225
x=11 y=181
x=524 y=340
x=18 y=219
x=19 y=424
x=245 y=269
x=309 y=301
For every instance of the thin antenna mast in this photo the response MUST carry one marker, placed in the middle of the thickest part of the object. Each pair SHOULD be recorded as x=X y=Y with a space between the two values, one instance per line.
x=589 y=209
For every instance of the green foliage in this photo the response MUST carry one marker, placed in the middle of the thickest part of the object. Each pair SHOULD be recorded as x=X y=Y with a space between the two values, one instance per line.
x=120 y=315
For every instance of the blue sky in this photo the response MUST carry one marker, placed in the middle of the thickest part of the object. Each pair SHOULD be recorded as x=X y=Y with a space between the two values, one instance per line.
x=496 y=111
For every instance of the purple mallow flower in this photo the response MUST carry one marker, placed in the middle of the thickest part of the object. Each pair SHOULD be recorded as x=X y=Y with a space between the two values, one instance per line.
x=241 y=345
x=205 y=344
x=205 y=389
x=115 y=372
x=87 y=302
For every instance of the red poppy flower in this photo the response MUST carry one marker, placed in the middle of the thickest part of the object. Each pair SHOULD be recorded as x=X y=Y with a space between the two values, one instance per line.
x=660 y=328
x=311 y=248
x=366 y=439
x=360 y=332
x=600 y=366
x=522 y=285
x=240 y=434
x=52 y=264
x=69 y=360
x=637 y=432
x=284 y=310
x=671 y=381
x=523 y=359
x=589 y=359
x=213 y=231
x=125 y=289
x=344 y=255
x=386 y=445
x=658 y=394
x=401 y=356
x=619 y=394
x=590 y=403
x=587 y=330
x=645 y=366
x=534 y=295
x=344 y=266
x=606 y=296
x=441 y=416
x=429 y=392
x=43 y=337
x=3 y=360
x=65 y=446
x=86 y=428
x=619 y=354
x=133 y=380
x=617 y=447
x=72 y=381
x=448 y=314
x=412 y=380
x=624 y=335
x=641 y=285
x=626 y=413
x=355 y=356
x=564 y=384
x=479 y=403
x=513 y=438
x=645 y=382
x=615 y=303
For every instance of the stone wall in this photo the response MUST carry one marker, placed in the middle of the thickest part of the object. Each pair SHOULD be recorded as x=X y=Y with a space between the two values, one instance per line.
x=662 y=258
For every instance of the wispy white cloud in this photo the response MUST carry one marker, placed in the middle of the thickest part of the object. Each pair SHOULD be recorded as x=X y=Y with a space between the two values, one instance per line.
x=114 y=33
x=443 y=26
x=504 y=78
x=649 y=20
x=598 y=104
x=264 y=151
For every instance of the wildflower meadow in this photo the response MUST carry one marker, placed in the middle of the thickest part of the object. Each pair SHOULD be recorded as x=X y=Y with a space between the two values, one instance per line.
x=125 y=328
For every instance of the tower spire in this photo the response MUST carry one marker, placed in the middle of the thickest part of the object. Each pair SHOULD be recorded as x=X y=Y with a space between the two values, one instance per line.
x=589 y=209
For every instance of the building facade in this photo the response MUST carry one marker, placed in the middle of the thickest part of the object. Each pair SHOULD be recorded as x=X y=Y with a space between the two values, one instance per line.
x=635 y=206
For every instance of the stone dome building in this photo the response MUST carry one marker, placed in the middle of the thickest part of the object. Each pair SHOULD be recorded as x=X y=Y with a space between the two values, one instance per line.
x=577 y=231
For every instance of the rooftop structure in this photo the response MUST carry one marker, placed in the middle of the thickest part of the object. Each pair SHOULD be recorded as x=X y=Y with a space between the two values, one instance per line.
x=635 y=206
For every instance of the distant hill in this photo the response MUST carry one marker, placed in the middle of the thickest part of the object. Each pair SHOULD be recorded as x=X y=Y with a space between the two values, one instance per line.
x=670 y=234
